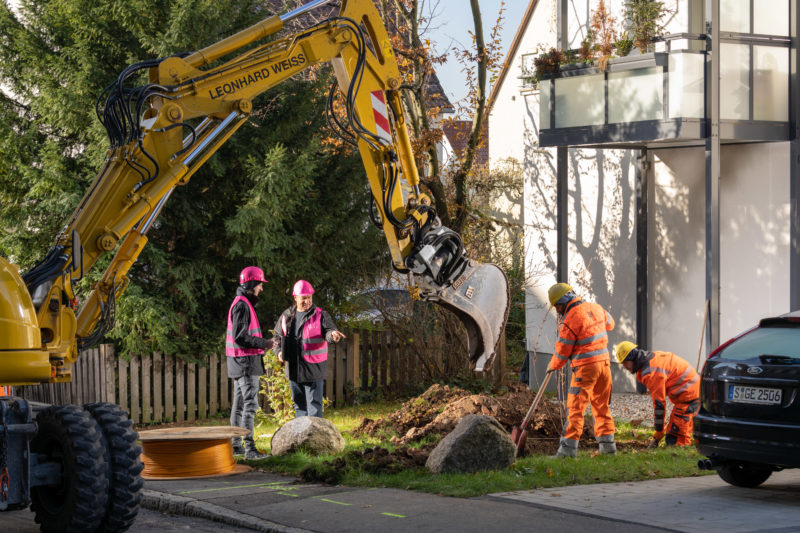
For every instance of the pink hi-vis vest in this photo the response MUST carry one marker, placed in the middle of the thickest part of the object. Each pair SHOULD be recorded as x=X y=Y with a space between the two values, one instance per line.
x=231 y=348
x=314 y=345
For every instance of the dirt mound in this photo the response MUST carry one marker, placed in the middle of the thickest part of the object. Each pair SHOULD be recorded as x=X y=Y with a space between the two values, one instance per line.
x=416 y=412
x=438 y=410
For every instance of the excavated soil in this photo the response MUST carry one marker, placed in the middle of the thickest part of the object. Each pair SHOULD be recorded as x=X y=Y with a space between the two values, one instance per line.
x=438 y=410
x=436 y=413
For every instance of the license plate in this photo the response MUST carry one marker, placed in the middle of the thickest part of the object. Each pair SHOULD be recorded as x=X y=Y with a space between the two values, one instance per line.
x=759 y=395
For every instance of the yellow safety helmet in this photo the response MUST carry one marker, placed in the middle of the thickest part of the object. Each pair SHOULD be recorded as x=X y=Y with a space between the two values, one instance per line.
x=623 y=349
x=557 y=291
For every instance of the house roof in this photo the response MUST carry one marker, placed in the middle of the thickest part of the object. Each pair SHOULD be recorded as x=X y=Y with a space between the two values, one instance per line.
x=434 y=94
x=457 y=132
x=512 y=51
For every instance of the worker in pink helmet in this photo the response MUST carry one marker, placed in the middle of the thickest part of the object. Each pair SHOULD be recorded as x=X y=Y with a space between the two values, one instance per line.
x=304 y=331
x=244 y=347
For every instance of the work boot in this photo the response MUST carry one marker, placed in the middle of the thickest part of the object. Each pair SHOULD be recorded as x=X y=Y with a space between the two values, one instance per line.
x=238 y=449
x=607 y=444
x=568 y=448
x=254 y=455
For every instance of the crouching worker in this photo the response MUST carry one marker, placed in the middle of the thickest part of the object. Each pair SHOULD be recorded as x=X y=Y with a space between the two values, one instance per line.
x=304 y=331
x=244 y=348
x=583 y=342
x=665 y=375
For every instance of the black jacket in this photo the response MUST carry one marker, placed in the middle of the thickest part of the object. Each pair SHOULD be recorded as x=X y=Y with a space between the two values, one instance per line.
x=248 y=365
x=299 y=370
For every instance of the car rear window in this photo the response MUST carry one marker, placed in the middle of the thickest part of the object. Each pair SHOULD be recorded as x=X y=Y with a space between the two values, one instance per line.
x=783 y=341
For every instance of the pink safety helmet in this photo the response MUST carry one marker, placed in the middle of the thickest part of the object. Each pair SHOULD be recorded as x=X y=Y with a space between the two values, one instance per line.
x=302 y=288
x=251 y=273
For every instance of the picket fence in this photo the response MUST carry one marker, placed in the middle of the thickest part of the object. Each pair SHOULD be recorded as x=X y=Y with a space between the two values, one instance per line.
x=158 y=388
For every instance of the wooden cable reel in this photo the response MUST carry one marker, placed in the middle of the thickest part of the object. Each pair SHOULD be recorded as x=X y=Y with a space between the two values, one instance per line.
x=190 y=452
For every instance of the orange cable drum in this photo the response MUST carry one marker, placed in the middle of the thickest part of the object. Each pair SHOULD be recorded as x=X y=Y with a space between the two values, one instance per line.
x=174 y=453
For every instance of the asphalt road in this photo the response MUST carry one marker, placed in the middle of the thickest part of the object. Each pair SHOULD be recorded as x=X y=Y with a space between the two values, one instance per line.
x=147 y=522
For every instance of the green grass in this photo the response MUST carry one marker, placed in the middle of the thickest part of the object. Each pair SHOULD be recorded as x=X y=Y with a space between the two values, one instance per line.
x=527 y=473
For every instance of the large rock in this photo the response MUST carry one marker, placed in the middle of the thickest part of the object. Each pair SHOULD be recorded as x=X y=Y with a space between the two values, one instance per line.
x=477 y=443
x=310 y=433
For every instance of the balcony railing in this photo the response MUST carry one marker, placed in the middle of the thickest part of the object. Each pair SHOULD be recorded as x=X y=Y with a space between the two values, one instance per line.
x=662 y=96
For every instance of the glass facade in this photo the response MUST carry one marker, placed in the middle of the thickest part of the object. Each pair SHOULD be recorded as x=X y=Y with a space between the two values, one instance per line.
x=771 y=17
x=580 y=101
x=544 y=104
x=636 y=95
x=734 y=93
x=735 y=15
x=686 y=85
x=771 y=83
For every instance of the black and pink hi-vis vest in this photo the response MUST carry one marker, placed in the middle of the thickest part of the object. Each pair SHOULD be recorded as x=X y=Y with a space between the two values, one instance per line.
x=313 y=344
x=254 y=329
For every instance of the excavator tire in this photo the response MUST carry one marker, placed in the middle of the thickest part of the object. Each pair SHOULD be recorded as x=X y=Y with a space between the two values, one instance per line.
x=70 y=436
x=122 y=456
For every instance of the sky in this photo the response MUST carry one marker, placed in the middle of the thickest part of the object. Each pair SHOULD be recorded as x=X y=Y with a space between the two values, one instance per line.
x=450 y=24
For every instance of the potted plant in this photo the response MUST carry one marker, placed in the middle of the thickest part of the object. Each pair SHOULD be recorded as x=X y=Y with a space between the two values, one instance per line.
x=624 y=45
x=603 y=30
x=644 y=19
x=548 y=62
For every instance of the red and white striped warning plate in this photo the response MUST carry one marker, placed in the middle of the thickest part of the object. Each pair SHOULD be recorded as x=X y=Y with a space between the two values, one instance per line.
x=381 y=116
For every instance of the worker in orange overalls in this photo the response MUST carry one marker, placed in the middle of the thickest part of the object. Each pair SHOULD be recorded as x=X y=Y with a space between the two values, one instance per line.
x=665 y=375
x=583 y=342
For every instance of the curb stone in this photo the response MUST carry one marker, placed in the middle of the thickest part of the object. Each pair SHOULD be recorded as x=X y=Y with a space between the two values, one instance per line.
x=180 y=505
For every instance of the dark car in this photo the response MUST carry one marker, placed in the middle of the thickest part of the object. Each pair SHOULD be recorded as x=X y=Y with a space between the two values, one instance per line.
x=749 y=421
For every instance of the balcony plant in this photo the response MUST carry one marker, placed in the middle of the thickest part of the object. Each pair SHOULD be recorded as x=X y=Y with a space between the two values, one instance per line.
x=549 y=62
x=624 y=45
x=604 y=34
x=644 y=19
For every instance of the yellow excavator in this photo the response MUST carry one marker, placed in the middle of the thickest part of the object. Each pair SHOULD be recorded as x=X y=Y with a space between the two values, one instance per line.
x=78 y=466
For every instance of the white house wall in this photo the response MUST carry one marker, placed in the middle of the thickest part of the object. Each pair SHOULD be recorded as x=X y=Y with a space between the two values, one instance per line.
x=754 y=243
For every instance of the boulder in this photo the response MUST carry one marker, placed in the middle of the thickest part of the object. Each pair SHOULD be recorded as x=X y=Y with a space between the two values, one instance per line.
x=477 y=443
x=310 y=433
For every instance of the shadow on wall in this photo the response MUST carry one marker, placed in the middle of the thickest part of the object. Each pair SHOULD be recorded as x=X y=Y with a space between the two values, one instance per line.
x=676 y=242
x=602 y=237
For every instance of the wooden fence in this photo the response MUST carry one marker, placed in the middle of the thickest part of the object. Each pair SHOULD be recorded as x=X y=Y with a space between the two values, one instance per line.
x=157 y=388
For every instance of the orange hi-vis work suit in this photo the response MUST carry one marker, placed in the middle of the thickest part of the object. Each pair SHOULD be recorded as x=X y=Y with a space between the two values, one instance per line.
x=667 y=375
x=583 y=340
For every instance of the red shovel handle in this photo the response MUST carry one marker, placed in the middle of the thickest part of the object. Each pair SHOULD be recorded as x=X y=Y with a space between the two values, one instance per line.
x=538 y=397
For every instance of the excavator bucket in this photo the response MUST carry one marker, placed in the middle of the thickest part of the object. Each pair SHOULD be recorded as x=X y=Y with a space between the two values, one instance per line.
x=479 y=297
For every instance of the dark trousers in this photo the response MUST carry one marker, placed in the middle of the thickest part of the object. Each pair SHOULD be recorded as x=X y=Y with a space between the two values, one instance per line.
x=245 y=404
x=307 y=398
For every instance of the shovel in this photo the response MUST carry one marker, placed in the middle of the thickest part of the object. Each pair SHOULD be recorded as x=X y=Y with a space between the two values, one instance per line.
x=519 y=434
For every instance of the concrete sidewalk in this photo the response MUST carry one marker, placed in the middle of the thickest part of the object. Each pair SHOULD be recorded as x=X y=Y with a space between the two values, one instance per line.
x=269 y=502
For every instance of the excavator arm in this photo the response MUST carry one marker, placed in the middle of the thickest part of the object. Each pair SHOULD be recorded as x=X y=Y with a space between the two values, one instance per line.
x=163 y=131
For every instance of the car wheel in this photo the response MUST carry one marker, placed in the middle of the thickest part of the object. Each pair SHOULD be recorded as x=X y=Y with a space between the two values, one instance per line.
x=744 y=474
